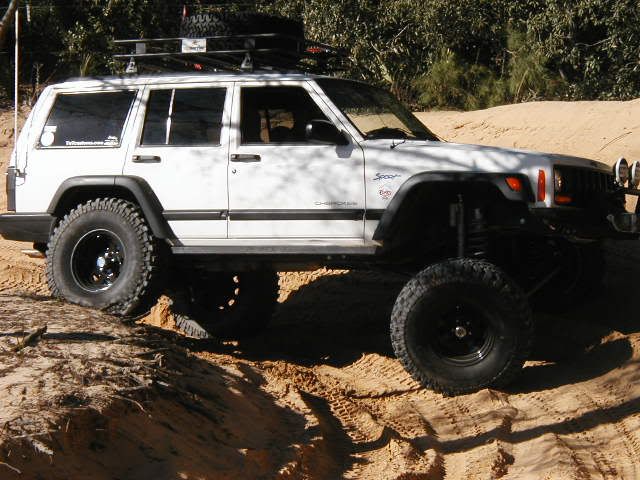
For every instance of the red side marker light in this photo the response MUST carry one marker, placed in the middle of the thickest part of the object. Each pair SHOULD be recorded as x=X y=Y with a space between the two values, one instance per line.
x=514 y=183
x=542 y=185
x=563 y=199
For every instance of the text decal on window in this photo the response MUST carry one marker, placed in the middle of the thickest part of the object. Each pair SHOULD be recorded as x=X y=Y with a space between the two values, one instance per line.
x=87 y=119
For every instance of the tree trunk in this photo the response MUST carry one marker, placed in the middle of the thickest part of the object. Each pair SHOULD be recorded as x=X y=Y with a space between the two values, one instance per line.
x=5 y=23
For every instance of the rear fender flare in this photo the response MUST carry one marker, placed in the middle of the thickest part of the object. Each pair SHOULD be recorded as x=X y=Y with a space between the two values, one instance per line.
x=136 y=186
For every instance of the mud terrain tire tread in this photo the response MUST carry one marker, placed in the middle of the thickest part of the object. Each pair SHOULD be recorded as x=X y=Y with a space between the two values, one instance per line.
x=144 y=292
x=463 y=271
x=213 y=24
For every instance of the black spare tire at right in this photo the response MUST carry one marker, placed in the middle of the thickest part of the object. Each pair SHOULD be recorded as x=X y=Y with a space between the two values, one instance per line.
x=461 y=325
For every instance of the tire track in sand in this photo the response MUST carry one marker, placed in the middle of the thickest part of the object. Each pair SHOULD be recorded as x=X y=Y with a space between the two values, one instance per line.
x=363 y=444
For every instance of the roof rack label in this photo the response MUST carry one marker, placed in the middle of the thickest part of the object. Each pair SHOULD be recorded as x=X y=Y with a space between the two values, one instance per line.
x=194 y=45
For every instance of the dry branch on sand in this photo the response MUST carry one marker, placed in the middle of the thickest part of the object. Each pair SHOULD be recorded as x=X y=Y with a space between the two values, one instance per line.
x=29 y=339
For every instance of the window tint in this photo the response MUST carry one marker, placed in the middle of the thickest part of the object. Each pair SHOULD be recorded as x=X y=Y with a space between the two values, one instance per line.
x=276 y=114
x=87 y=119
x=184 y=117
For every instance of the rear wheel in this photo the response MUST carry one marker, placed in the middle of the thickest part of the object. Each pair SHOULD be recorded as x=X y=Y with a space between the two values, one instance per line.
x=461 y=325
x=103 y=255
x=226 y=305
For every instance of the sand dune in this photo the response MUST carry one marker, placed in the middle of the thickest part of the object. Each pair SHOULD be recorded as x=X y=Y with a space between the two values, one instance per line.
x=320 y=395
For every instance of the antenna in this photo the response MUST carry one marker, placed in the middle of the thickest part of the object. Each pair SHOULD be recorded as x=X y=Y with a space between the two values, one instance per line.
x=15 y=79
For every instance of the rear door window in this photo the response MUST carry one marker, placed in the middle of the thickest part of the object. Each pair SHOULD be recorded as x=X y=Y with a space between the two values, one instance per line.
x=93 y=119
x=184 y=116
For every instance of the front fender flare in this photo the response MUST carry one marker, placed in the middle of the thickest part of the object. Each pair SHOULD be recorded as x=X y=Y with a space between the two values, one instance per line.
x=386 y=224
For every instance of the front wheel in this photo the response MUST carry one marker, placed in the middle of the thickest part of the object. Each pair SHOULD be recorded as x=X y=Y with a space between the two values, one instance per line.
x=461 y=325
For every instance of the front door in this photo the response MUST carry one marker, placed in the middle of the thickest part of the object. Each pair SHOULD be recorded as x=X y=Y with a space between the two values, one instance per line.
x=182 y=152
x=280 y=184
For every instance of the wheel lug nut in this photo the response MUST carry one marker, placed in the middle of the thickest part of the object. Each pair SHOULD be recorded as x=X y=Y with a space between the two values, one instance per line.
x=460 y=332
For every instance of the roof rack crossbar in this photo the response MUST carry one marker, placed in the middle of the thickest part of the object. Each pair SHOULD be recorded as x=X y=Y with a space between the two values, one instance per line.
x=307 y=55
x=276 y=36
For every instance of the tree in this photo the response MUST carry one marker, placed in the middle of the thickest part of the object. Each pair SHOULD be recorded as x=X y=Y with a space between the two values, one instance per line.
x=7 y=18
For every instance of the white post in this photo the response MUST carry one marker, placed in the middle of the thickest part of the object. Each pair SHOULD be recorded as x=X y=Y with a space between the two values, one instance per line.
x=15 y=114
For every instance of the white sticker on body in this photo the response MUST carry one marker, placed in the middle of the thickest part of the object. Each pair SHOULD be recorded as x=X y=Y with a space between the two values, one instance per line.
x=47 y=139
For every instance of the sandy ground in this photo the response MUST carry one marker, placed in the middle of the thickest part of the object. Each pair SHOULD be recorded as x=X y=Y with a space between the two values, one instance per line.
x=320 y=395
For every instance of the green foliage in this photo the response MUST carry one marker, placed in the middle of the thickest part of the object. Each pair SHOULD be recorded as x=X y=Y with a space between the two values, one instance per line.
x=432 y=53
x=471 y=54
x=450 y=83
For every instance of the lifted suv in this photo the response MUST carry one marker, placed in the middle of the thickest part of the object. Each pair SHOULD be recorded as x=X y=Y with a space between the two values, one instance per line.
x=207 y=184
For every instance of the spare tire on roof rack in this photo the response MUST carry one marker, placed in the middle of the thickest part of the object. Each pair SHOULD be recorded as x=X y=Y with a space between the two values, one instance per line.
x=238 y=41
x=288 y=42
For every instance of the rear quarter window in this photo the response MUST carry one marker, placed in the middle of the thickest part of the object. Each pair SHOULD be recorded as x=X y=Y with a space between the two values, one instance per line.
x=93 y=119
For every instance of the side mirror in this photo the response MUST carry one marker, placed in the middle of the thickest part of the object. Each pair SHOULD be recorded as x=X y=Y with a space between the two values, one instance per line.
x=323 y=131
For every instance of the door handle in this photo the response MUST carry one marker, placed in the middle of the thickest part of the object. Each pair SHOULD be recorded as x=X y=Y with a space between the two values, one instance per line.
x=244 y=157
x=146 y=159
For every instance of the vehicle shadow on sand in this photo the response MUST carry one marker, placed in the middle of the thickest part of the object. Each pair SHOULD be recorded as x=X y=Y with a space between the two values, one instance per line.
x=336 y=319
x=332 y=320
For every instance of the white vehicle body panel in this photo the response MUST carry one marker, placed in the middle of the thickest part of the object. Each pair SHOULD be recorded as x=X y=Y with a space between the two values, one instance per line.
x=187 y=178
x=44 y=169
x=311 y=178
x=388 y=168
x=295 y=177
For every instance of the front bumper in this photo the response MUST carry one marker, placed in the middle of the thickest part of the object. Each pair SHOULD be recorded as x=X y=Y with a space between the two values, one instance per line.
x=581 y=223
x=26 y=227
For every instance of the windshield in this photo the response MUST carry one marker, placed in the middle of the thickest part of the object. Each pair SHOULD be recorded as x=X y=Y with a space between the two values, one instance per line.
x=373 y=111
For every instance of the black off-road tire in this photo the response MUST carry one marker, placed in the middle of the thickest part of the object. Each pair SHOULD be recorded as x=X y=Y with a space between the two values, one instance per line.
x=138 y=284
x=581 y=275
x=225 y=305
x=427 y=312
x=246 y=23
x=238 y=23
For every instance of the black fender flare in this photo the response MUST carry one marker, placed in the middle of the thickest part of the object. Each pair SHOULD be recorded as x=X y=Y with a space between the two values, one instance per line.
x=136 y=186
x=386 y=224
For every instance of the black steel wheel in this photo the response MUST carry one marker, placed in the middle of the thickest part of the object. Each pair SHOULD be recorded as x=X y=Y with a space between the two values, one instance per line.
x=461 y=325
x=461 y=332
x=97 y=259
x=103 y=255
x=226 y=305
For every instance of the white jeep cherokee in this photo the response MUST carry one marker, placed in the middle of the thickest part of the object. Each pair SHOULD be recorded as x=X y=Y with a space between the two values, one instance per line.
x=199 y=183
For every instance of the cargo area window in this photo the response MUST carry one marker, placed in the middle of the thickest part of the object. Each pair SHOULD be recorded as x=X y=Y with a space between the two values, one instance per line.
x=276 y=114
x=184 y=117
x=87 y=119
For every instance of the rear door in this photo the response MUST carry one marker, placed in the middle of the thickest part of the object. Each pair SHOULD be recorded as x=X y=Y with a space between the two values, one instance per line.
x=182 y=152
x=280 y=184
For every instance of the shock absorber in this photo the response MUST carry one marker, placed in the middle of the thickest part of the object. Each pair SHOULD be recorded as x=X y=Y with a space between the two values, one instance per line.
x=477 y=236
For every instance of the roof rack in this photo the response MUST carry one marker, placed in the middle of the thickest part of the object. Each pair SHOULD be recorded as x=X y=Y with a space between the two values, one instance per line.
x=247 y=52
